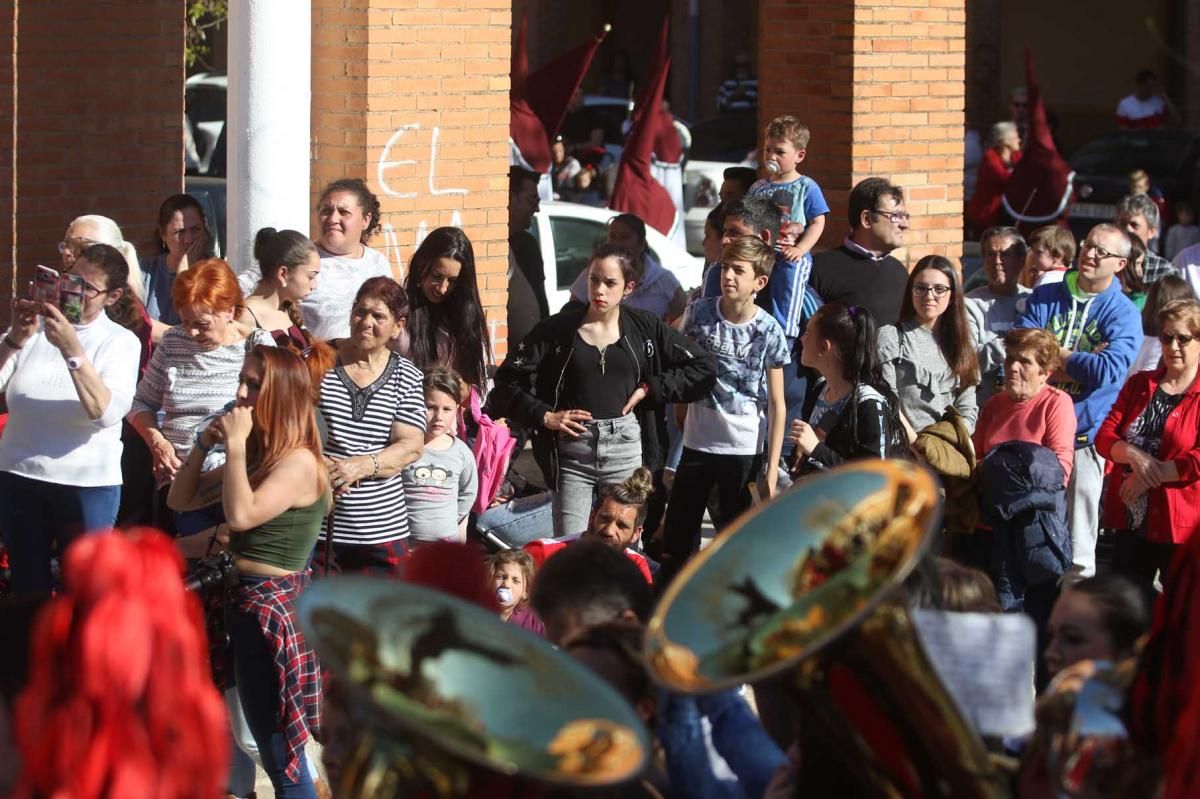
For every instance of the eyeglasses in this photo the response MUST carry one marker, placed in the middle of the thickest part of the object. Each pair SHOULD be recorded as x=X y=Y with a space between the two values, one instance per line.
x=895 y=217
x=1101 y=253
x=75 y=246
x=91 y=292
x=1181 y=340
x=921 y=289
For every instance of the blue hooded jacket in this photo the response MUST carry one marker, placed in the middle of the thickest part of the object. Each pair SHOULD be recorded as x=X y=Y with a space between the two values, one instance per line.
x=1082 y=323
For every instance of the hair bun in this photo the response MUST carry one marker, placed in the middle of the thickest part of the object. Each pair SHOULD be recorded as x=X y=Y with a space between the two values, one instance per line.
x=261 y=239
x=640 y=483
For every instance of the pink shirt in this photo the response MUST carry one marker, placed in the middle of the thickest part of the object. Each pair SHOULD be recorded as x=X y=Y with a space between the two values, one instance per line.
x=1047 y=419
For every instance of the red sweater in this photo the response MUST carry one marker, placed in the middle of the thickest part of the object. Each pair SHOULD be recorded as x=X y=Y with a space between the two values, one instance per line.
x=1173 y=511
x=1047 y=419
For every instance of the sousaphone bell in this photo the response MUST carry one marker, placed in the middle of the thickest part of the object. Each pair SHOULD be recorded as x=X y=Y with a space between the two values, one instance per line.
x=436 y=697
x=810 y=585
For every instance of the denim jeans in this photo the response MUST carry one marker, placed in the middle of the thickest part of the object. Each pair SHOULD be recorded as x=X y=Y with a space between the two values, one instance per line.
x=737 y=737
x=258 y=688
x=607 y=452
x=34 y=514
x=518 y=521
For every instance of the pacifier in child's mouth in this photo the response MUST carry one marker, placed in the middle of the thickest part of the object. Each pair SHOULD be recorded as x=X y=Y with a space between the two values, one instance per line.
x=504 y=595
x=773 y=167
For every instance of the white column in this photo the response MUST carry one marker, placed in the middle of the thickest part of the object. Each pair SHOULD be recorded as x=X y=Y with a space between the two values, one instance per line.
x=270 y=98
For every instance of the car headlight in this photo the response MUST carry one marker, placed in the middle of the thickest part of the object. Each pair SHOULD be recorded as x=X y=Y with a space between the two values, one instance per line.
x=707 y=193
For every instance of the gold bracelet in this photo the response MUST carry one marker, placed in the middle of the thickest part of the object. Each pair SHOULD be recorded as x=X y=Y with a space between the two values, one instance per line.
x=375 y=462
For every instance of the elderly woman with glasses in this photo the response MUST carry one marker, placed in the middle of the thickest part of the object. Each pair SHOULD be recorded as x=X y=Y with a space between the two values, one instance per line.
x=67 y=386
x=1153 y=496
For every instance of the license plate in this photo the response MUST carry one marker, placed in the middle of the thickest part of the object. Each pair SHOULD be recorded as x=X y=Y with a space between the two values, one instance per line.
x=1093 y=211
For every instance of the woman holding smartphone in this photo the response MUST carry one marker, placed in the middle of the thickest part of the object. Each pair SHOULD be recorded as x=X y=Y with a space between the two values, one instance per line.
x=68 y=386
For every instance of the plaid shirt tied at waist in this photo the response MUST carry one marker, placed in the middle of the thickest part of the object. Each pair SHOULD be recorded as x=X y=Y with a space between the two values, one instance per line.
x=272 y=603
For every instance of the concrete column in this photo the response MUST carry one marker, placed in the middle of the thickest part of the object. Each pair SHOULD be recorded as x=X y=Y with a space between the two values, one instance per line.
x=270 y=97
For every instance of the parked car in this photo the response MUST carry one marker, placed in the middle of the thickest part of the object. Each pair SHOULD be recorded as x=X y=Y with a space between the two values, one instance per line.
x=717 y=143
x=568 y=232
x=1102 y=168
x=204 y=105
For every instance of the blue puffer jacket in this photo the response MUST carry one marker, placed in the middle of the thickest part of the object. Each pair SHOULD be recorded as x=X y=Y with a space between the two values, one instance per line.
x=1023 y=499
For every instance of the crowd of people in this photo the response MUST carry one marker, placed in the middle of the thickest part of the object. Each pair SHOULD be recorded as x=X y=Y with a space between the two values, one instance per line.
x=311 y=416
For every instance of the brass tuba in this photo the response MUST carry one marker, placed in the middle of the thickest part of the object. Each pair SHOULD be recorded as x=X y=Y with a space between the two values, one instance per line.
x=810 y=584
x=435 y=697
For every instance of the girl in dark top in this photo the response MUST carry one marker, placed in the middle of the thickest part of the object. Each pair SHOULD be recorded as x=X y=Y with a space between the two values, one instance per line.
x=855 y=408
x=275 y=494
x=591 y=381
x=289 y=264
x=446 y=322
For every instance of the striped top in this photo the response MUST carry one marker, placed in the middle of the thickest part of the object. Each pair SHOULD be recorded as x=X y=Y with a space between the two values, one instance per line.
x=360 y=422
x=187 y=384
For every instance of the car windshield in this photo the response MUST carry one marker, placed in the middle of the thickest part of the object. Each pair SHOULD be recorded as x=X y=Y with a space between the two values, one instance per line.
x=1160 y=152
x=731 y=138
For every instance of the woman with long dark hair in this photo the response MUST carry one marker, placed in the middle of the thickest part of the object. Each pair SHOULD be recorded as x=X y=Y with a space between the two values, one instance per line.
x=855 y=407
x=446 y=322
x=275 y=494
x=928 y=357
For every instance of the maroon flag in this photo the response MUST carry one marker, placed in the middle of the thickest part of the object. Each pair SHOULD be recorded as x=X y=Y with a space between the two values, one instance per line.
x=636 y=190
x=550 y=87
x=1039 y=188
x=538 y=100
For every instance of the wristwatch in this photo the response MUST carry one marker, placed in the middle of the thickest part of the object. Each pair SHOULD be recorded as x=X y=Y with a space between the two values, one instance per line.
x=74 y=363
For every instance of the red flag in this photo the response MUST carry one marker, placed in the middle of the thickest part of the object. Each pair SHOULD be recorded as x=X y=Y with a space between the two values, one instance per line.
x=636 y=190
x=1040 y=185
x=538 y=100
x=550 y=87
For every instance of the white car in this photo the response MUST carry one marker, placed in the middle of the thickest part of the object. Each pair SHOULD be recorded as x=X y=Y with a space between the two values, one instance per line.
x=568 y=232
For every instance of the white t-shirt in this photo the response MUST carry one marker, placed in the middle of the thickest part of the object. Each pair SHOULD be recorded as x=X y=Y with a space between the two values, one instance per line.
x=49 y=436
x=726 y=419
x=1132 y=108
x=327 y=310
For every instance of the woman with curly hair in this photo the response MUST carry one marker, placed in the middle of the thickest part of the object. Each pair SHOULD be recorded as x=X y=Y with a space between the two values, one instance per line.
x=347 y=217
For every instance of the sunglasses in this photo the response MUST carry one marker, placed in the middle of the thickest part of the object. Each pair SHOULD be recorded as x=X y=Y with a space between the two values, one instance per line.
x=1181 y=340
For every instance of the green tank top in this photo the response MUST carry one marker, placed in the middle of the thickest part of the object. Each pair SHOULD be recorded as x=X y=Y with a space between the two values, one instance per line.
x=285 y=541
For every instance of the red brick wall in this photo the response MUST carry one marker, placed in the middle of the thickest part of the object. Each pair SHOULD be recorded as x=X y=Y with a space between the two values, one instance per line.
x=98 y=105
x=881 y=84
x=415 y=101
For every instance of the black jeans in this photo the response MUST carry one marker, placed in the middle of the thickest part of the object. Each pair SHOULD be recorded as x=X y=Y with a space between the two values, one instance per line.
x=698 y=472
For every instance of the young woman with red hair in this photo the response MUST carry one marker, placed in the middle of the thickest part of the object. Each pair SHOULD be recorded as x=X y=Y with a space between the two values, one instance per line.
x=193 y=374
x=275 y=494
x=120 y=700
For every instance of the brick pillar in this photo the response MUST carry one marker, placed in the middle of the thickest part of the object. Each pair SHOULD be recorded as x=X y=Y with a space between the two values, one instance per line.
x=415 y=102
x=96 y=100
x=881 y=85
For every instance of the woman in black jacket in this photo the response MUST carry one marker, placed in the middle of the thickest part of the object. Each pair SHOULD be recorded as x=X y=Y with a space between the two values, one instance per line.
x=855 y=413
x=591 y=382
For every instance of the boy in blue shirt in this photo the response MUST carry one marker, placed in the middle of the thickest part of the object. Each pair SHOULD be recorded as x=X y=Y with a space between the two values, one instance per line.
x=785 y=144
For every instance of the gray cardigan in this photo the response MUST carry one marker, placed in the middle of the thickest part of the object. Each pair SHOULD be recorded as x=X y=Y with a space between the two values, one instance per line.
x=914 y=368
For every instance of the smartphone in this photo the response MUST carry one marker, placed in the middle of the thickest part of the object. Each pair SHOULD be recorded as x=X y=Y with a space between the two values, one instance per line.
x=45 y=285
x=71 y=297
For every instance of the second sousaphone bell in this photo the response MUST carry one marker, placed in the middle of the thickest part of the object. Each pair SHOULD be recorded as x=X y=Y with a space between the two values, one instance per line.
x=811 y=584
